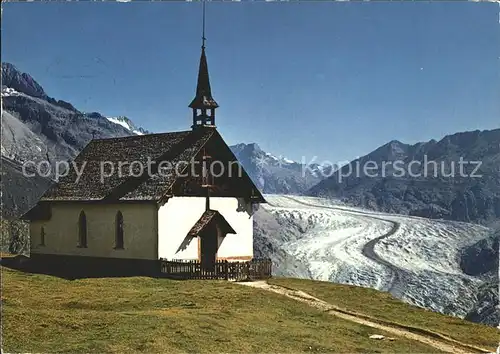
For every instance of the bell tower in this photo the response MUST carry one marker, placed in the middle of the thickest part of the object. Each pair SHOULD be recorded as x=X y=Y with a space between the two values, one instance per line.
x=203 y=104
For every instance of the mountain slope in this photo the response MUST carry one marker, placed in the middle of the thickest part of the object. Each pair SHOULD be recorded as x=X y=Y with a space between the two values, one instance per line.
x=19 y=192
x=419 y=180
x=273 y=174
x=19 y=142
x=55 y=127
x=482 y=260
x=21 y=82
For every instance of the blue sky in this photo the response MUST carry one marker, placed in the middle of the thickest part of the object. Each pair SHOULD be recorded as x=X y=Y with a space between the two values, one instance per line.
x=328 y=79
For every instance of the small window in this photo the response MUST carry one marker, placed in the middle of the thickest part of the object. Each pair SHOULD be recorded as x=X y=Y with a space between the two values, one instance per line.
x=82 y=230
x=119 y=230
x=42 y=236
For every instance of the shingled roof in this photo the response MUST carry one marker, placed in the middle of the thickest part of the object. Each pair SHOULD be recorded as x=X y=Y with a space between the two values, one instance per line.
x=208 y=217
x=172 y=147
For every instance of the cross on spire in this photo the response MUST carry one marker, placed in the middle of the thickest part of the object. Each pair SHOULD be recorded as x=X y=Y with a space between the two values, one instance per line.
x=203 y=38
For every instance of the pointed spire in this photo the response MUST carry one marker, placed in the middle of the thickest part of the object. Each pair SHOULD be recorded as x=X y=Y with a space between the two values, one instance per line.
x=203 y=98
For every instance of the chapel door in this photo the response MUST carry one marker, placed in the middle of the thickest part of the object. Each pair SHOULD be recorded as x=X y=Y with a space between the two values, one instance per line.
x=208 y=248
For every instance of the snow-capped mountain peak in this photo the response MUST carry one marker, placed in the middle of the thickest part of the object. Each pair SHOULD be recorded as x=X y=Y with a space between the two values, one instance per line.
x=282 y=160
x=127 y=124
x=275 y=174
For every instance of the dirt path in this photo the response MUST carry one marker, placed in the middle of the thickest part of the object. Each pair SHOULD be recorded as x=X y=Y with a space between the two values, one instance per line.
x=440 y=342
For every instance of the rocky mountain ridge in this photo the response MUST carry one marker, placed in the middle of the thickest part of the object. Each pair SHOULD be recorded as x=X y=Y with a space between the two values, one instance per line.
x=456 y=178
x=273 y=174
x=38 y=127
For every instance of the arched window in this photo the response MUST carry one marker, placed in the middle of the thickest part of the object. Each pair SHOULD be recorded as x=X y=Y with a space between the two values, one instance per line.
x=82 y=230
x=119 y=230
x=42 y=237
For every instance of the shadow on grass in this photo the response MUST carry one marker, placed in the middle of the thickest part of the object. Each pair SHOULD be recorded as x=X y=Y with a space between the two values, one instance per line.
x=70 y=270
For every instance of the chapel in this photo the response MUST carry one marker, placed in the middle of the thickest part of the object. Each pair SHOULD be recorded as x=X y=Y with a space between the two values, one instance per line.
x=144 y=198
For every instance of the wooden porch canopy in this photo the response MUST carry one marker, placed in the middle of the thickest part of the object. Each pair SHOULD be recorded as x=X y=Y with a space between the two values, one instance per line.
x=209 y=218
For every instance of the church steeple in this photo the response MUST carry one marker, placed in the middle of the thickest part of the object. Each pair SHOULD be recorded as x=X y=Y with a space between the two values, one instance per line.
x=203 y=105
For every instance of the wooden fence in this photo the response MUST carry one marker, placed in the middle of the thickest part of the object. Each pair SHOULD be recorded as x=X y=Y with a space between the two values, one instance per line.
x=255 y=269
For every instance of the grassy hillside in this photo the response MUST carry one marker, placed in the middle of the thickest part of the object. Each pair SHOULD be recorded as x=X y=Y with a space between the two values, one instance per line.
x=48 y=314
x=384 y=306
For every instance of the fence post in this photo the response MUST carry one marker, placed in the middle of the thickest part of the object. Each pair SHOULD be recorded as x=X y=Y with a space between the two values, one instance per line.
x=226 y=270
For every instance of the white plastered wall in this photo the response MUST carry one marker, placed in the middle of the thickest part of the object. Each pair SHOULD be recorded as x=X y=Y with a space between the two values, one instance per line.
x=179 y=214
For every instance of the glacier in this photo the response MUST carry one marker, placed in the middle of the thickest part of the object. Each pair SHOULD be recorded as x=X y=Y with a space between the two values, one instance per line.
x=415 y=259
